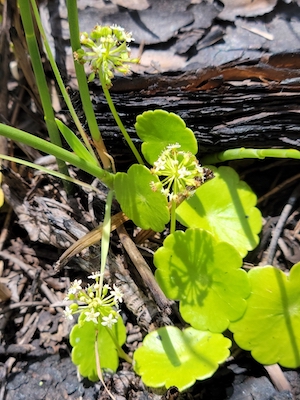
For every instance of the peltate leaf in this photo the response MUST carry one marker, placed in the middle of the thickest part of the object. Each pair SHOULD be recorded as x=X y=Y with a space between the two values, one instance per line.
x=271 y=324
x=205 y=276
x=82 y=339
x=147 y=208
x=170 y=357
x=159 y=128
x=225 y=206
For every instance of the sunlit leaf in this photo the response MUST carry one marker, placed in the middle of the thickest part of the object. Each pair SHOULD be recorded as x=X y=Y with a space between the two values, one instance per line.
x=147 y=208
x=225 y=206
x=170 y=357
x=82 y=339
x=158 y=129
x=205 y=276
x=271 y=324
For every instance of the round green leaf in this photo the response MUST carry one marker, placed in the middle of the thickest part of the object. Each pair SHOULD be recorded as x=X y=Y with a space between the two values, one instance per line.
x=205 y=276
x=147 y=208
x=271 y=324
x=170 y=357
x=82 y=339
x=225 y=206
x=158 y=129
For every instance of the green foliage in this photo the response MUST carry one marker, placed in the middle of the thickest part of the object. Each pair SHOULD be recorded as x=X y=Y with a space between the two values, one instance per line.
x=79 y=149
x=225 y=206
x=83 y=337
x=271 y=324
x=205 y=276
x=50 y=148
x=169 y=356
x=158 y=129
x=146 y=207
x=242 y=153
x=201 y=267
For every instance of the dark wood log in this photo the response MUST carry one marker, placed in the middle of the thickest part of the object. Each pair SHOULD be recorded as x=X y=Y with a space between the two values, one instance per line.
x=255 y=105
x=244 y=103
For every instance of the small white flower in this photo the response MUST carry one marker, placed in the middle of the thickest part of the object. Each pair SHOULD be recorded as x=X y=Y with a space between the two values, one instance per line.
x=109 y=321
x=68 y=313
x=159 y=165
x=173 y=146
x=165 y=191
x=95 y=275
x=183 y=172
x=117 y=293
x=75 y=287
x=117 y=27
x=173 y=197
x=92 y=316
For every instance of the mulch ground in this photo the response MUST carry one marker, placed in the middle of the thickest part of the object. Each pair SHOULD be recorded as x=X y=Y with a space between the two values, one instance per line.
x=39 y=221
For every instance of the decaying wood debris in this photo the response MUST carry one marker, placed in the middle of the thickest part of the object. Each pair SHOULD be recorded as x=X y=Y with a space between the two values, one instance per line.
x=253 y=104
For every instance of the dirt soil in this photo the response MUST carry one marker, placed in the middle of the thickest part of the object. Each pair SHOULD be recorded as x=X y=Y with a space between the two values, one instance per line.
x=39 y=221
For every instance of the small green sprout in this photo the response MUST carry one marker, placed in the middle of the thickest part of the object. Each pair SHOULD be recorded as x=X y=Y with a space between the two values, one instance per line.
x=107 y=51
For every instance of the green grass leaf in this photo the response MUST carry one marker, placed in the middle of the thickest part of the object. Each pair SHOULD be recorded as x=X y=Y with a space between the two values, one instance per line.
x=205 y=276
x=225 y=206
x=79 y=149
x=82 y=339
x=147 y=208
x=271 y=324
x=159 y=128
x=170 y=357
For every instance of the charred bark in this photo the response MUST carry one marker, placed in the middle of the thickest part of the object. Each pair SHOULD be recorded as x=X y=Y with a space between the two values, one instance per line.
x=256 y=105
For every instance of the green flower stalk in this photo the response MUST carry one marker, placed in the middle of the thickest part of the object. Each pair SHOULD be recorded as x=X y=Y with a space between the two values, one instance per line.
x=108 y=51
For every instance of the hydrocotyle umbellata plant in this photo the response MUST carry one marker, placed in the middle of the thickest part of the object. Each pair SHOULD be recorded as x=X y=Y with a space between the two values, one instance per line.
x=200 y=266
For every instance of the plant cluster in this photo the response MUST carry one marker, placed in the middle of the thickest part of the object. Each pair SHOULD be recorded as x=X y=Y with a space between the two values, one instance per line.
x=200 y=267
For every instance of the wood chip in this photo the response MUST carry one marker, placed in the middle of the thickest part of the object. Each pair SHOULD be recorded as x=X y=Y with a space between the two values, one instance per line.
x=245 y=8
x=132 y=4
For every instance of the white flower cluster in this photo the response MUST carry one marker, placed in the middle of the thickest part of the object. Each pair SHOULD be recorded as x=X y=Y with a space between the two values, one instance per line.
x=99 y=305
x=180 y=171
x=107 y=50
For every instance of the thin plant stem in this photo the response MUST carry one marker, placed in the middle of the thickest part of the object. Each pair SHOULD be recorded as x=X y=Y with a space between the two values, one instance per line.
x=241 y=153
x=106 y=229
x=83 y=86
x=40 y=144
x=118 y=120
x=173 y=216
x=25 y=11
x=59 y=80
x=121 y=352
x=98 y=368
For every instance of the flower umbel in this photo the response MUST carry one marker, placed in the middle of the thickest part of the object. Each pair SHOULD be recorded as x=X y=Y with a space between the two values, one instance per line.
x=98 y=306
x=180 y=170
x=107 y=50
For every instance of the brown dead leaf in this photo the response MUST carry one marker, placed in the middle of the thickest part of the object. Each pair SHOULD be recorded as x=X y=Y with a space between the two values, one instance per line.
x=132 y=4
x=245 y=8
